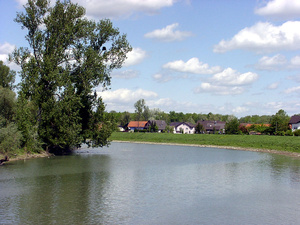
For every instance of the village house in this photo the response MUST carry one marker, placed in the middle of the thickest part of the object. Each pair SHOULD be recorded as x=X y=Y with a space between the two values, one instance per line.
x=161 y=125
x=183 y=127
x=211 y=126
x=136 y=125
x=294 y=123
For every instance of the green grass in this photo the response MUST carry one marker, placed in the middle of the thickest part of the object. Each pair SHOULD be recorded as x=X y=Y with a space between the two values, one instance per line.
x=280 y=143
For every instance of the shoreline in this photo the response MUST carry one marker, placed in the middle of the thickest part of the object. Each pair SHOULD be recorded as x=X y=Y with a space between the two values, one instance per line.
x=285 y=153
x=26 y=156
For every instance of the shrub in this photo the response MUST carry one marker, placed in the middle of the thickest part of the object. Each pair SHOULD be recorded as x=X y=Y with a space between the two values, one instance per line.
x=289 y=133
x=297 y=132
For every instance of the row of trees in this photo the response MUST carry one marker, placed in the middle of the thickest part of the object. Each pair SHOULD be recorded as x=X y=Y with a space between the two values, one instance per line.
x=276 y=124
x=69 y=56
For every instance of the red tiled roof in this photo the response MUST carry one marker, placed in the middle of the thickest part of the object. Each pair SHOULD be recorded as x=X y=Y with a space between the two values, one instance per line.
x=139 y=124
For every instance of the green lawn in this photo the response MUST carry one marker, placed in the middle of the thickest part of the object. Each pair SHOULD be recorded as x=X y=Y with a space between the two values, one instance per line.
x=281 y=143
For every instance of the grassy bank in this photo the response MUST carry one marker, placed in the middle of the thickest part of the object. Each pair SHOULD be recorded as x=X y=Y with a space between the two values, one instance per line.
x=264 y=142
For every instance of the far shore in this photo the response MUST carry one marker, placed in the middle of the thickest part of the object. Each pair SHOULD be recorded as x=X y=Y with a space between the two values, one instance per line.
x=26 y=156
x=290 y=154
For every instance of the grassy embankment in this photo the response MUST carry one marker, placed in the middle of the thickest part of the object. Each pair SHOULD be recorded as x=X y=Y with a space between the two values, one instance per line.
x=250 y=142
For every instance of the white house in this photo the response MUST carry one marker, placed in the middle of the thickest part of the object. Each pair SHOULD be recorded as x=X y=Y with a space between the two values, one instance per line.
x=183 y=127
x=294 y=122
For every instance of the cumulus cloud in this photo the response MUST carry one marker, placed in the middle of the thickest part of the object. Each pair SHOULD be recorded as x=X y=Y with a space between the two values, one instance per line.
x=278 y=62
x=122 y=8
x=168 y=34
x=280 y=9
x=127 y=74
x=227 y=82
x=193 y=65
x=5 y=50
x=136 y=56
x=264 y=37
x=124 y=95
x=275 y=62
x=118 y=8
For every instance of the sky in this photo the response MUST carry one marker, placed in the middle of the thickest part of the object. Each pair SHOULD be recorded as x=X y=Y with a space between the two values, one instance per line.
x=194 y=56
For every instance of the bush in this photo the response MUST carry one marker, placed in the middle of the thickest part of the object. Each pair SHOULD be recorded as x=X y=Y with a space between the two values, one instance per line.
x=289 y=133
x=10 y=139
x=297 y=132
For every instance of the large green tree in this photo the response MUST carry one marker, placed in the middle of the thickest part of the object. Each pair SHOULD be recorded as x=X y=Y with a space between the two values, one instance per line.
x=279 y=122
x=7 y=76
x=68 y=57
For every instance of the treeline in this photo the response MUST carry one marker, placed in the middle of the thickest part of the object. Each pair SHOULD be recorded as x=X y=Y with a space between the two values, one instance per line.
x=277 y=124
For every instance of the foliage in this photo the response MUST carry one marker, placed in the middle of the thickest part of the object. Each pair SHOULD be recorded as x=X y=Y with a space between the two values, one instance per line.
x=7 y=76
x=279 y=122
x=69 y=56
x=296 y=132
x=232 y=127
x=10 y=138
x=141 y=110
x=199 y=129
x=7 y=104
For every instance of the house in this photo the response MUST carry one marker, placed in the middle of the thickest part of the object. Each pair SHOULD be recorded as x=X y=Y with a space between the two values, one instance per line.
x=213 y=126
x=294 y=123
x=183 y=127
x=161 y=124
x=136 y=125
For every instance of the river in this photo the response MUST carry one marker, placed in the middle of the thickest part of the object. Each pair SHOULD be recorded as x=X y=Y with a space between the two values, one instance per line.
x=152 y=184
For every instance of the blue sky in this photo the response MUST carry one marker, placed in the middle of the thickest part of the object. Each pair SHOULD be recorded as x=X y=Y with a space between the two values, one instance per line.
x=195 y=56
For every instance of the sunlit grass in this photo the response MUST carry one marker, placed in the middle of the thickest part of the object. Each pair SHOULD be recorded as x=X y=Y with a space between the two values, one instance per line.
x=281 y=143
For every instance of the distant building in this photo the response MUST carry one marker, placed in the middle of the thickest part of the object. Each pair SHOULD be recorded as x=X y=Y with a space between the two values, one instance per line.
x=213 y=126
x=183 y=127
x=294 y=123
x=136 y=125
x=161 y=124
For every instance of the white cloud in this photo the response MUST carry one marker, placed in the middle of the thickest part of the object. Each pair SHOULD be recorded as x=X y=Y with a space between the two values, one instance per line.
x=227 y=82
x=136 y=56
x=118 y=8
x=127 y=74
x=219 y=90
x=230 y=77
x=292 y=90
x=280 y=9
x=122 y=8
x=264 y=37
x=162 y=78
x=193 y=65
x=126 y=95
x=5 y=50
x=240 y=109
x=295 y=61
x=275 y=62
x=273 y=86
x=169 y=34
x=278 y=62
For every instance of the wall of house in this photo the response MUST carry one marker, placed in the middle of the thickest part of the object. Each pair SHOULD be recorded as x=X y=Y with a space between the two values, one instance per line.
x=186 y=129
x=295 y=126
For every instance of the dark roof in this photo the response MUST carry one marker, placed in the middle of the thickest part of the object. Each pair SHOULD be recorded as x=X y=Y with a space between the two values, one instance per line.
x=295 y=119
x=211 y=124
x=161 y=124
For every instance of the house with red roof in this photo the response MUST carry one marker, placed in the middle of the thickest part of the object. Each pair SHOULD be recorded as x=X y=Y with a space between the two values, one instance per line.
x=136 y=125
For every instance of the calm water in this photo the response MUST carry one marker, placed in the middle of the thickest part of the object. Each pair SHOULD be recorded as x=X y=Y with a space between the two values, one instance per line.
x=152 y=184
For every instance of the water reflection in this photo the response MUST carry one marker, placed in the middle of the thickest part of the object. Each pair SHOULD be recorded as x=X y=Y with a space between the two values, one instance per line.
x=152 y=184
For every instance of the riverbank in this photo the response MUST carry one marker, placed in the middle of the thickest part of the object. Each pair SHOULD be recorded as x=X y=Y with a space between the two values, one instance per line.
x=25 y=156
x=282 y=145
